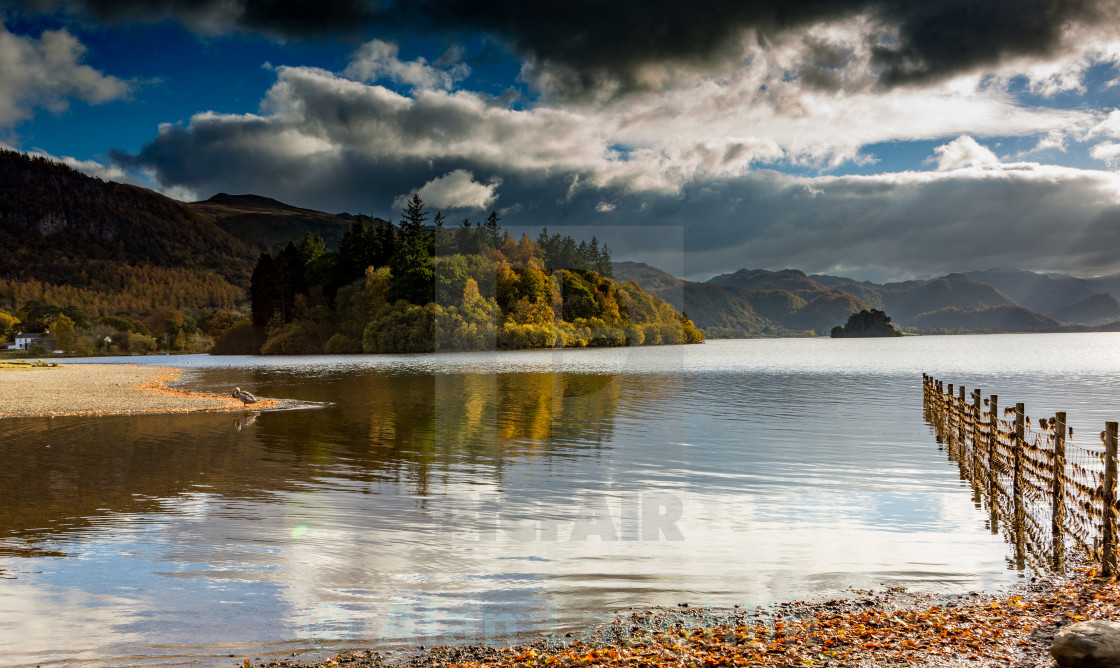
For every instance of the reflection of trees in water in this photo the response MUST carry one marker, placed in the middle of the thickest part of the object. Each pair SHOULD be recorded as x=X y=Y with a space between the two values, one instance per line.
x=63 y=474
x=398 y=427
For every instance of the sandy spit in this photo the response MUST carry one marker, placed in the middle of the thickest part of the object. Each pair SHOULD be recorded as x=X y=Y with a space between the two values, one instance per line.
x=104 y=389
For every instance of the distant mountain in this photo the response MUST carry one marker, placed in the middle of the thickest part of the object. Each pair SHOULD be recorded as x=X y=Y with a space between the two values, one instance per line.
x=760 y=279
x=1099 y=309
x=868 y=292
x=733 y=310
x=826 y=310
x=1008 y=318
x=904 y=301
x=757 y=302
x=1042 y=293
x=267 y=224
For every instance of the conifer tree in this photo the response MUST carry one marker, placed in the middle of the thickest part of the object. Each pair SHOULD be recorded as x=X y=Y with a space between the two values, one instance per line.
x=412 y=266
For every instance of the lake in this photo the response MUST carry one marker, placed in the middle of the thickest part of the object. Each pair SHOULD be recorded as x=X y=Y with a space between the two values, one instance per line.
x=462 y=497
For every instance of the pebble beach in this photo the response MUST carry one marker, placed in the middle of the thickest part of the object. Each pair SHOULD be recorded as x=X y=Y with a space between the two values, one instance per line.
x=104 y=389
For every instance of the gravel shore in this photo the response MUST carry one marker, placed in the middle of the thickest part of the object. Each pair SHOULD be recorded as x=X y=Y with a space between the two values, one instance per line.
x=103 y=389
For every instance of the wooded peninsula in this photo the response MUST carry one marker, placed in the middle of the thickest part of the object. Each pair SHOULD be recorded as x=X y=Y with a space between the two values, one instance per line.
x=422 y=288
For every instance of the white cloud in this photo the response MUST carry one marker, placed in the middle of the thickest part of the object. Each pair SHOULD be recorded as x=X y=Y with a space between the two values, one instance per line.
x=1055 y=140
x=1107 y=152
x=964 y=151
x=47 y=72
x=377 y=60
x=455 y=190
x=1109 y=127
x=605 y=207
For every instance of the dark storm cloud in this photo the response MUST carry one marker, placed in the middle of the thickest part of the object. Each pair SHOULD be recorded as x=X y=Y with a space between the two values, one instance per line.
x=591 y=43
x=950 y=36
x=585 y=46
x=280 y=18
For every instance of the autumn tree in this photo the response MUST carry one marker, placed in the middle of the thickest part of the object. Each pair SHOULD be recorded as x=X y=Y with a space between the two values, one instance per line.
x=64 y=333
x=8 y=324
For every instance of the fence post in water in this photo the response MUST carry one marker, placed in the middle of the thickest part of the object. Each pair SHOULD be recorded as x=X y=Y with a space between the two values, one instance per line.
x=1058 y=508
x=1017 y=450
x=1108 y=528
x=960 y=425
x=976 y=411
x=993 y=444
x=974 y=459
x=1020 y=520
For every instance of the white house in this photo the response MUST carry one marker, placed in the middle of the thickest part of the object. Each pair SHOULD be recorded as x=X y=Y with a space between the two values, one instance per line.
x=28 y=340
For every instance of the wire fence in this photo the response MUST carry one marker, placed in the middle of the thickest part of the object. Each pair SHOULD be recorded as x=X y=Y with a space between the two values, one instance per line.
x=1048 y=493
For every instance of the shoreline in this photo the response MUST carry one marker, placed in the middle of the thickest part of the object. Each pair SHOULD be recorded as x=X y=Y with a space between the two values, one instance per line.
x=870 y=629
x=106 y=389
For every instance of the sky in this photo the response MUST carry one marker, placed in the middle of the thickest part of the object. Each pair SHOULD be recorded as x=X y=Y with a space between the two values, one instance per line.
x=875 y=139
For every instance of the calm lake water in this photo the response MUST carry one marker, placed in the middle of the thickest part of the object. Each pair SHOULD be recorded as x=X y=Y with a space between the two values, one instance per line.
x=448 y=498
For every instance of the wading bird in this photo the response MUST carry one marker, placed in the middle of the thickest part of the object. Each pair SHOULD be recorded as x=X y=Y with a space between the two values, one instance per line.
x=245 y=397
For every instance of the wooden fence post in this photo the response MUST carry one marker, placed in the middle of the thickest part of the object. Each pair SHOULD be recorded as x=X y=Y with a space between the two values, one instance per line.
x=1108 y=528
x=973 y=462
x=1016 y=485
x=1057 y=492
x=993 y=444
x=961 y=427
x=1017 y=450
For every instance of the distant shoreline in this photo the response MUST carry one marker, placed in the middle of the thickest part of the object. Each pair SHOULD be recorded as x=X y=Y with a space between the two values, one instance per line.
x=104 y=389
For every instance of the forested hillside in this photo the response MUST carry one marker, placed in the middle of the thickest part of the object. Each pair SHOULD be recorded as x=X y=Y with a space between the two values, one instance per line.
x=121 y=260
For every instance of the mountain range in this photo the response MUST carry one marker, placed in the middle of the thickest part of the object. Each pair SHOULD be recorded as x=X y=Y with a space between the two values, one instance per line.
x=114 y=249
x=757 y=302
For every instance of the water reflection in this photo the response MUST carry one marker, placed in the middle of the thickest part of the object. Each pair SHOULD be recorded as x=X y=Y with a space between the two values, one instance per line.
x=65 y=471
x=449 y=497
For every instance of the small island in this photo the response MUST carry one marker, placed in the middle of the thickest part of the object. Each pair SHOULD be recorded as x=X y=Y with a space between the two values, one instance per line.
x=866 y=324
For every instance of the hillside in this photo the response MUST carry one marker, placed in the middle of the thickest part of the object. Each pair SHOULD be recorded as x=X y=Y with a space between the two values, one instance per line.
x=1008 y=318
x=793 y=280
x=1042 y=293
x=733 y=310
x=719 y=311
x=269 y=225
x=1098 y=309
x=788 y=302
x=107 y=247
x=866 y=291
x=904 y=301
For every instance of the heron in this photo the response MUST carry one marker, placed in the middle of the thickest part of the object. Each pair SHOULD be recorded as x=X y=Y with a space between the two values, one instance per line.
x=244 y=396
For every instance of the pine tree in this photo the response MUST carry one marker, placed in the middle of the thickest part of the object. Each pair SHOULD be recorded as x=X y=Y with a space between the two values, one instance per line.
x=263 y=290
x=444 y=241
x=466 y=238
x=492 y=231
x=412 y=266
